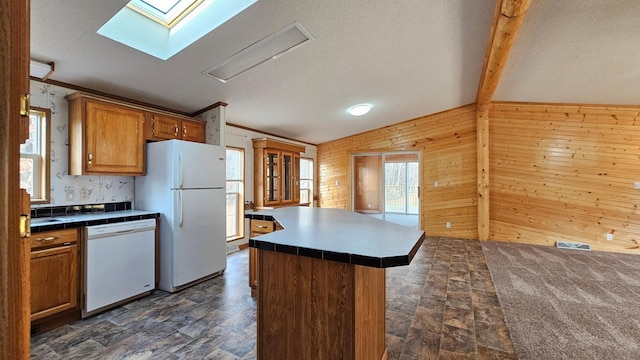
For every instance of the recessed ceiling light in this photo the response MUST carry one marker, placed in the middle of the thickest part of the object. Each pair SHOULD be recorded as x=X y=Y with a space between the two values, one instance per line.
x=359 y=110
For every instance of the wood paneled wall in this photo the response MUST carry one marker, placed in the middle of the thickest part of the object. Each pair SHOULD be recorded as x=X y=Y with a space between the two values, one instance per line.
x=447 y=142
x=565 y=172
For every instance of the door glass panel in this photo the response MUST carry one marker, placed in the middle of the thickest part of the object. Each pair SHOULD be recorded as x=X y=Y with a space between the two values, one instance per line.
x=395 y=187
x=271 y=174
x=286 y=169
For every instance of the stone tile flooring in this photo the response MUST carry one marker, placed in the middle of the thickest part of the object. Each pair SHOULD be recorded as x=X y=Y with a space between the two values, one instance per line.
x=442 y=306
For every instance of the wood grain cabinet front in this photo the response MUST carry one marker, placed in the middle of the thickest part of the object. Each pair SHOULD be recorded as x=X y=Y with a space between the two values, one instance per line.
x=276 y=173
x=105 y=138
x=165 y=127
x=54 y=272
x=258 y=227
x=193 y=131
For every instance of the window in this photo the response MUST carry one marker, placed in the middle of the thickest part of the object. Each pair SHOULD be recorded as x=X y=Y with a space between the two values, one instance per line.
x=34 y=156
x=235 y=193
x=306 y=180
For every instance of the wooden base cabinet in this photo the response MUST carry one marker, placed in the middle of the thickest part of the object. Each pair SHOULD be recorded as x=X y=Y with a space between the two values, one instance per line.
x=54 y=272
x=258 y=227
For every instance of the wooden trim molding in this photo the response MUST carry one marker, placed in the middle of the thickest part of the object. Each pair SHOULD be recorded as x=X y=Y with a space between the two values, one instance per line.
x=482 y=143
x=268 y=133
x=210 y=107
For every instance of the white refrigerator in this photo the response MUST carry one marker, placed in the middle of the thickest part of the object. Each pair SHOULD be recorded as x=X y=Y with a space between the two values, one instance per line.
x=185 y=183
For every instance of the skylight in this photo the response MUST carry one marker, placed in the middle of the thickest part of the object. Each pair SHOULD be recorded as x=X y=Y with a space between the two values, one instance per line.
x=162 y=28
x=165 y=12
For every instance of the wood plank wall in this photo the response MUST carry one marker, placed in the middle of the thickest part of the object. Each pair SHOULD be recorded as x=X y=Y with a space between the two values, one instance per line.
x=565 y=172
x=447 y=142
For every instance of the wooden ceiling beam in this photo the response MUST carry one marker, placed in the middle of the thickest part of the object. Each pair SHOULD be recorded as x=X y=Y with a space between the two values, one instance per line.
x=508 y=16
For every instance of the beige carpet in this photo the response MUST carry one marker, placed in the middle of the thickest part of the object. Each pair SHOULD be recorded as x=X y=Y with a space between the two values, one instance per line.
x=567 y=304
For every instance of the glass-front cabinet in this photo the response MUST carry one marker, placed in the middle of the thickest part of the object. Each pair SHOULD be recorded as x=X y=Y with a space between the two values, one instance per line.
x=276 y=173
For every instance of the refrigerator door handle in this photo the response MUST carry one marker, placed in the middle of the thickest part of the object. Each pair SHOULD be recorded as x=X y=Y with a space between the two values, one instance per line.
x=180 y=170
x=181 y=206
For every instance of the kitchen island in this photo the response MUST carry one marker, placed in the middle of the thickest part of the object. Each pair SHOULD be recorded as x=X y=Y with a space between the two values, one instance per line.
x=321 y=292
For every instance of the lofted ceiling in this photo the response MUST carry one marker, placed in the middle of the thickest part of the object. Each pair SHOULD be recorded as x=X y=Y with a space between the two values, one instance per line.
x=406 y=57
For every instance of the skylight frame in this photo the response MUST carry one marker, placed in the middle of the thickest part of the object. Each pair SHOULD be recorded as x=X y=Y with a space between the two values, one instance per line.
x=161 y=42
x=173 y=16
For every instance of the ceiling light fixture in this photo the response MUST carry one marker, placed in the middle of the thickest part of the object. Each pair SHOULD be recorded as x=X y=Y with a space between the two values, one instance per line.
x=269 y=48
x=359 y=110
x=41 y=70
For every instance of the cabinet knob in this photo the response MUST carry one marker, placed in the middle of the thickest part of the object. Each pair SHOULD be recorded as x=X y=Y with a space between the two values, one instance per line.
x=90 y=157
x=175 y=130
x=184 y=130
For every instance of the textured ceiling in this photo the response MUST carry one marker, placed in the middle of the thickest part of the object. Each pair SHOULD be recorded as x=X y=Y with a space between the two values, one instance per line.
x=576 y=51
x=408 y=58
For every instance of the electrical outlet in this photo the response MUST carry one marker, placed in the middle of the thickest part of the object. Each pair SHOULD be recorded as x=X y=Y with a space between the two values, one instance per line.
x=435 y=184
x=636 y=185
x=609 y=237
x=448 y=225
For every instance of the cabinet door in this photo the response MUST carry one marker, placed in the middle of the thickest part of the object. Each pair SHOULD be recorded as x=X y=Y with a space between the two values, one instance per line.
x=287 y=178
x=114 y=139
x=163 y=127
x=296 y=178
x=54 y=280
x=193 y=131
x=271 y=177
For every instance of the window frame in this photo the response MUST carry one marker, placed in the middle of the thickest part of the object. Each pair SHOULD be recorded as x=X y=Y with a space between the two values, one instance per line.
x=311 y=188
x=42 y=159
x=240 y=194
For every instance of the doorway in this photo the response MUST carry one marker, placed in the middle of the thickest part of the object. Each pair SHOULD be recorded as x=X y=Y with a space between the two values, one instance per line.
x=387 y=186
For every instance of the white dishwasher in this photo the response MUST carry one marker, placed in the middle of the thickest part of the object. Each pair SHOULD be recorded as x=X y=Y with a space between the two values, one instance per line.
x=119 y=263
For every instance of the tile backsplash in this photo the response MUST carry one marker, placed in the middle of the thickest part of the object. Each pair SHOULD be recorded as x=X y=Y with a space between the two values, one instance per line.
x=66 y=189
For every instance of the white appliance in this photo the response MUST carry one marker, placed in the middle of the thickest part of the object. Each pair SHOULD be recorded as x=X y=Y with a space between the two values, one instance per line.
x=185 y=183
x=120 y=263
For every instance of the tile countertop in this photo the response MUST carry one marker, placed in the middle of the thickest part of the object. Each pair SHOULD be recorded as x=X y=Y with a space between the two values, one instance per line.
x=89 y=219
x=338 y=235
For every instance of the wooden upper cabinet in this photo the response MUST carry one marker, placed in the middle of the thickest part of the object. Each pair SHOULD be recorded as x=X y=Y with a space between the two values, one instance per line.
x=194 y=131
x=162 y=127
x=276 y=173
x=105 y=138
x=166 y=127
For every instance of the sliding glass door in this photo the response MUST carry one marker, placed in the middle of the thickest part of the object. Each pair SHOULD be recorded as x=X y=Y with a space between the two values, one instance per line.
x=387 y=186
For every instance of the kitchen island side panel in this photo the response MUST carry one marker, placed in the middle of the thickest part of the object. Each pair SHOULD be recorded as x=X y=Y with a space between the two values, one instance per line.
x=312 y=308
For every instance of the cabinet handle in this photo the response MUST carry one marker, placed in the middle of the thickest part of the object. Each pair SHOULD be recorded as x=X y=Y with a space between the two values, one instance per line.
x=48 y=238
x=175 y=130
x=90 y=158
x=261 y=226
x=184 y=130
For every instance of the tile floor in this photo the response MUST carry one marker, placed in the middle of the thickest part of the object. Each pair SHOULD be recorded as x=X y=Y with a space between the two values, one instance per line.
x=442 y=306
